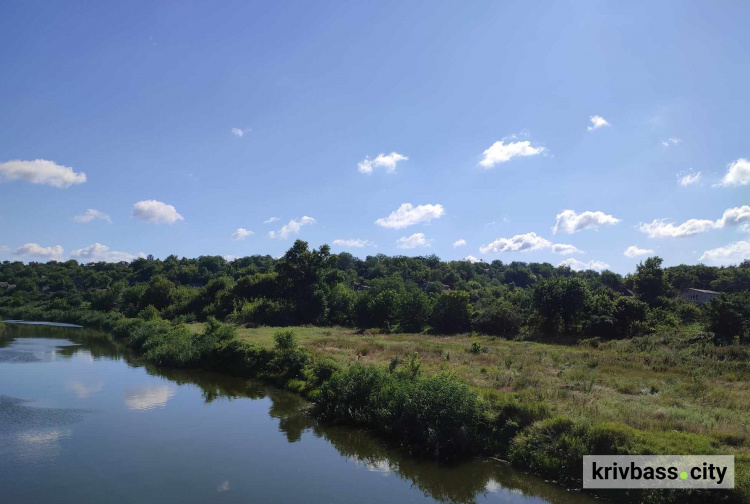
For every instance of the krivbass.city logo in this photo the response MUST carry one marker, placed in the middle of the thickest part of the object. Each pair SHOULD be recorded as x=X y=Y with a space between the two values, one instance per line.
x=658 y=471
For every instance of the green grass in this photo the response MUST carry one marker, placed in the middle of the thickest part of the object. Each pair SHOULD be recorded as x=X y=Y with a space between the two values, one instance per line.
x=666 y=383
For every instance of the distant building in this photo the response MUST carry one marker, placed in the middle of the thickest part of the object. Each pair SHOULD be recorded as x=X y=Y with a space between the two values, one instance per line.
x=698 y=296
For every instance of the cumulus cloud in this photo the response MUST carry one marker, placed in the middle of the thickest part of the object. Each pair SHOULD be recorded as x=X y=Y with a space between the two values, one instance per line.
x=352 y=242
x=156 y=212
x=98 y=252
x=570 y=222
x=527 y=243
x=41 y=171
x=35 y=250
x=519 y=243
x=459 y=243
x=663 y=228
x=413 y=241
x=291 y=228
x=634 y=251
x=733 y=253
x=670 y=141
x=688 y=179
x=577 y=265
x=597 y=122
x=270 y=220
x=387 y=161
x=734 y=216
x=407 y=215
x=472 y=259
x=239 y=132
x=501 y=152
x=4 y=248
x=90 y=215
x=241 y=234
x=738 y=174
x=565 y=249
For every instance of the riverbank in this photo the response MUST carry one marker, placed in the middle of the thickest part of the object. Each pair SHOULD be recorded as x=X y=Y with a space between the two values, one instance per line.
x=539 y=406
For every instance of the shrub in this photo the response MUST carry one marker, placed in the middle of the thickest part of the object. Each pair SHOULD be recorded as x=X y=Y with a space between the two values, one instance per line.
x=289 y=360
x=501 y=319
x=438 y=416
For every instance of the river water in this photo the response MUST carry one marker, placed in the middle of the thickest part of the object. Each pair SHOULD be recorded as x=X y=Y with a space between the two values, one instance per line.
x=83 y=421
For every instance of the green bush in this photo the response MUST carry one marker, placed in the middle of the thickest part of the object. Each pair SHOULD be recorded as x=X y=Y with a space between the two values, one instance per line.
x=289 y=360
x=437 y=416
x=452 y=313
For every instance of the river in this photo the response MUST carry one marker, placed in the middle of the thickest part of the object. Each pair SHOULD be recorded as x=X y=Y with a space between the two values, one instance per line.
x=84 y=421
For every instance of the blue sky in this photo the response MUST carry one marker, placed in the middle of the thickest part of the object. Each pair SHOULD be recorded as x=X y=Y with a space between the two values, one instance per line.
x=193 y=120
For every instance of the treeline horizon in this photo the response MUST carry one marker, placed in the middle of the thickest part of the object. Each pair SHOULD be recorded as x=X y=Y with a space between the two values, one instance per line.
x=390 y=293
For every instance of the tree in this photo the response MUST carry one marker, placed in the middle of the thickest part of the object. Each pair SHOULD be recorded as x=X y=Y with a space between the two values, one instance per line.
x=384 y=309
x=561 y=300
x=159 y=293
x=728 y=316
x=649 y=282
x=415 y=311
x=452 y=313
x=499 y=319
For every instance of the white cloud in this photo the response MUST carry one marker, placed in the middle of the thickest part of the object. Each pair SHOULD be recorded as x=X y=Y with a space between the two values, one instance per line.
x=734 y=216
x=41 y=171
x=98 y=252
x=733 y=253
x=597 y=122
x=90 y=215
x=565 y=249
x=35 y=250
x=413 y=241
x=4 y=248
x=571 y=222
x=577 y=265
x=501 y=152
x=407 y=215
x=662 y=228
x=738 y=174
x=353 y=242
x=670 y=141
x=291 y=228
x=156 y=212
x=241 y=234
x=689 y=179
x=387 y=161
x=239 y=132
x=472 y=259
x=519 y=243
x=459 y=243
x=270 y=220
x=526 y=243
x=634 y=251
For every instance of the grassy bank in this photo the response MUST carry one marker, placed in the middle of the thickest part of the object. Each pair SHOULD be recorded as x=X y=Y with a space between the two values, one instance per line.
x=540 y=406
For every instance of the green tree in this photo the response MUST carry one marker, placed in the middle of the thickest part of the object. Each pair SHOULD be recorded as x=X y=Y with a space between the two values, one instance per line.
x=452 y=313
x=649 y=282
x=415 y=311
x=563 y=301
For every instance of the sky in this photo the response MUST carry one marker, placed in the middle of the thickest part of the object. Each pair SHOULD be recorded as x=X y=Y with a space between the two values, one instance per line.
x=592 y=134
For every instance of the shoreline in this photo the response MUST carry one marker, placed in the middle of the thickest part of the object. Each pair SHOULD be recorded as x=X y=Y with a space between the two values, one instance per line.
x=324 y=384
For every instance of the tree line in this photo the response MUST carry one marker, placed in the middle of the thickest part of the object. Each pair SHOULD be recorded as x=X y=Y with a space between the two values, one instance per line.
x=404 y=294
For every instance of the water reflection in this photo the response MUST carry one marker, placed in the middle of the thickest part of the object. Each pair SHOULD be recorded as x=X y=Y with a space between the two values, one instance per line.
x=33 y=434
x=83 y=390
x=149 y=397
